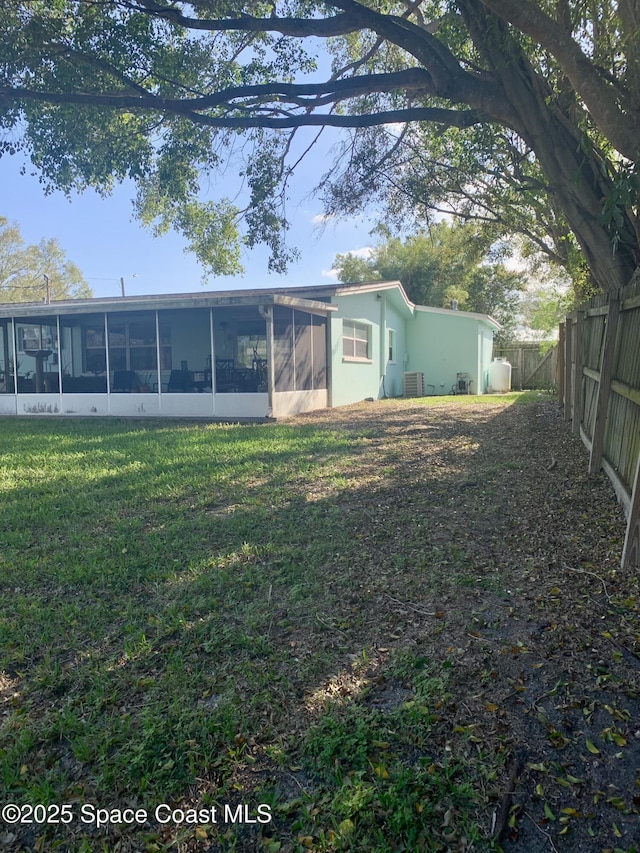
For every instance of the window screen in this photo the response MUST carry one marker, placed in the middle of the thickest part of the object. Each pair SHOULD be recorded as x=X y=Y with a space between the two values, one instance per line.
x=303 y=351
x=300 y=350
x=283 y=363
x=319 y=333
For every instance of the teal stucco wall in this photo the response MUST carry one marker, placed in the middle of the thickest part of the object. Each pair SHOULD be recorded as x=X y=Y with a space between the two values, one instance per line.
x=434 y=341
x=395 y=322
x=354 y=380
x=443 y=343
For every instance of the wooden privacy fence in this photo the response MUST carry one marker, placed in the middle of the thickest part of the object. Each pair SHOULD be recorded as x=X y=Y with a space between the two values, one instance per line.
x=599 y=383
x=530 y=367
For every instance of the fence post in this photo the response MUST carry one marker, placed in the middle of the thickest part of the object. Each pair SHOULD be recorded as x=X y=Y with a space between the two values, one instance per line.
x=521 y=368
x=604 y=386
x=568 y=393
x=631 y=550
x=578 y=378
x=560 y=363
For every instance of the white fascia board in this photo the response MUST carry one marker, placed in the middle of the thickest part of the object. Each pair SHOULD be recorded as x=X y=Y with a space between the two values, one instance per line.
x=451 y=312
x=375 y=287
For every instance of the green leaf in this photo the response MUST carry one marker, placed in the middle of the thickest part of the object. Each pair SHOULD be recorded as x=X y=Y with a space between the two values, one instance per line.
x=347 y=827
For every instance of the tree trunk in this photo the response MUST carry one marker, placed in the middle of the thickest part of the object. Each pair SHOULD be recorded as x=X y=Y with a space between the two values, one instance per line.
x=568 y=158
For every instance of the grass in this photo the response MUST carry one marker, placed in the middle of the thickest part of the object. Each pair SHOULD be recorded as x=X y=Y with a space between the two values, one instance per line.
x=519 y=397
x=387 y=775
x=175 y=629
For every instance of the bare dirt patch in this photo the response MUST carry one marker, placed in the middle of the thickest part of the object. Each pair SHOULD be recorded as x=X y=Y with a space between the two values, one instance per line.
x=522 y=589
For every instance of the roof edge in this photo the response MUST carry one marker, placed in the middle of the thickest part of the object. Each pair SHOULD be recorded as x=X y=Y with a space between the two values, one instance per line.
x=453 y=311
x=166 y=301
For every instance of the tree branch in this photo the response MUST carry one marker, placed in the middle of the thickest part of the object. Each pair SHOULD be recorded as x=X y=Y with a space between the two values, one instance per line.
x=80 y=58
x=411 y=79
x=450 y=80
x=600 y=97
x=188 y=108
x=337 y=25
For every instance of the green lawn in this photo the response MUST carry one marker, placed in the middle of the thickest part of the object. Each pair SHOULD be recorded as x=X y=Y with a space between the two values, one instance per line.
x=181 y=624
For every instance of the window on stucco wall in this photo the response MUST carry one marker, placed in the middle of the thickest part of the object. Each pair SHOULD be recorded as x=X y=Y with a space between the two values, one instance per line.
x=355 y=340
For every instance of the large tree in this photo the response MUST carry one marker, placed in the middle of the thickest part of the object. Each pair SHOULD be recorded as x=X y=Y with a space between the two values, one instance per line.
x=23 y=269
x=98 y=90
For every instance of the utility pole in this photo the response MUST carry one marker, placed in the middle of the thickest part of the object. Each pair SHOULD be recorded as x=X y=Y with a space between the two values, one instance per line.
x=48 y=289
x=122 y=284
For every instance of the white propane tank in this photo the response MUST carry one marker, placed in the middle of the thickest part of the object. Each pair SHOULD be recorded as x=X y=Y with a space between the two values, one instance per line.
x=499 y=376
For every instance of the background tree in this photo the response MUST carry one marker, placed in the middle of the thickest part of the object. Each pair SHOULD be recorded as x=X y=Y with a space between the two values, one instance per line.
x=549 y=297
x=459 y=261
x=23 y=267
x=482 y=176
x=530 y=109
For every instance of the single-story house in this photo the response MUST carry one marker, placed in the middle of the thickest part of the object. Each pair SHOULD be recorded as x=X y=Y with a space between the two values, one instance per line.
x=235 y=354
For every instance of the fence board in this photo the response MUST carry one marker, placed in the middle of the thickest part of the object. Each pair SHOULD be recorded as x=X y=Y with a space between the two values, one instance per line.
x=631 y=551
x=601 y=394
x=591 y=387
x=568 y=369
x=578 y=374
x=560 y=363
x=531 y=368
x=606 y=360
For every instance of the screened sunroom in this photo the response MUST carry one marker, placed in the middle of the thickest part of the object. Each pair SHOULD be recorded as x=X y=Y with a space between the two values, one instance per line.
x=231 y=355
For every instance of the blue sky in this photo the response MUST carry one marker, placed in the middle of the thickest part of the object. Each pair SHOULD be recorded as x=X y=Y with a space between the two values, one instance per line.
x=102 y=238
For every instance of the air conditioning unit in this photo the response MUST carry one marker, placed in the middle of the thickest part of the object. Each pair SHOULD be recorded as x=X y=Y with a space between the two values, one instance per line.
x=413 y=384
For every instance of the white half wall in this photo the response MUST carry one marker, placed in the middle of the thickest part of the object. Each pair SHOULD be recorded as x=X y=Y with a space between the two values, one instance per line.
x=8 y=404
x=186 y=405
x=294 y=402
x=38 y=404
x=85 y=405
x=134 y=405
x=241 y=406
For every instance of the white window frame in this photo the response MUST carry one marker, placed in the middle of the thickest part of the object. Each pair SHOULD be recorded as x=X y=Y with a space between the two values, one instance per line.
x=392 y=342
x=355 y=332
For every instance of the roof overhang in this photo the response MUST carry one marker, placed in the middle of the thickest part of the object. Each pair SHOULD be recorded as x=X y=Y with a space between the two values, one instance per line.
x=451 y=312
x=391 y=289
x=163 y=302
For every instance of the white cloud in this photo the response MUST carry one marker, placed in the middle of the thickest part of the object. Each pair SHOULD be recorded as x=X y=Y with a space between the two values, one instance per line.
x=322 y=218
x=332 y=273
x=364 y=252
